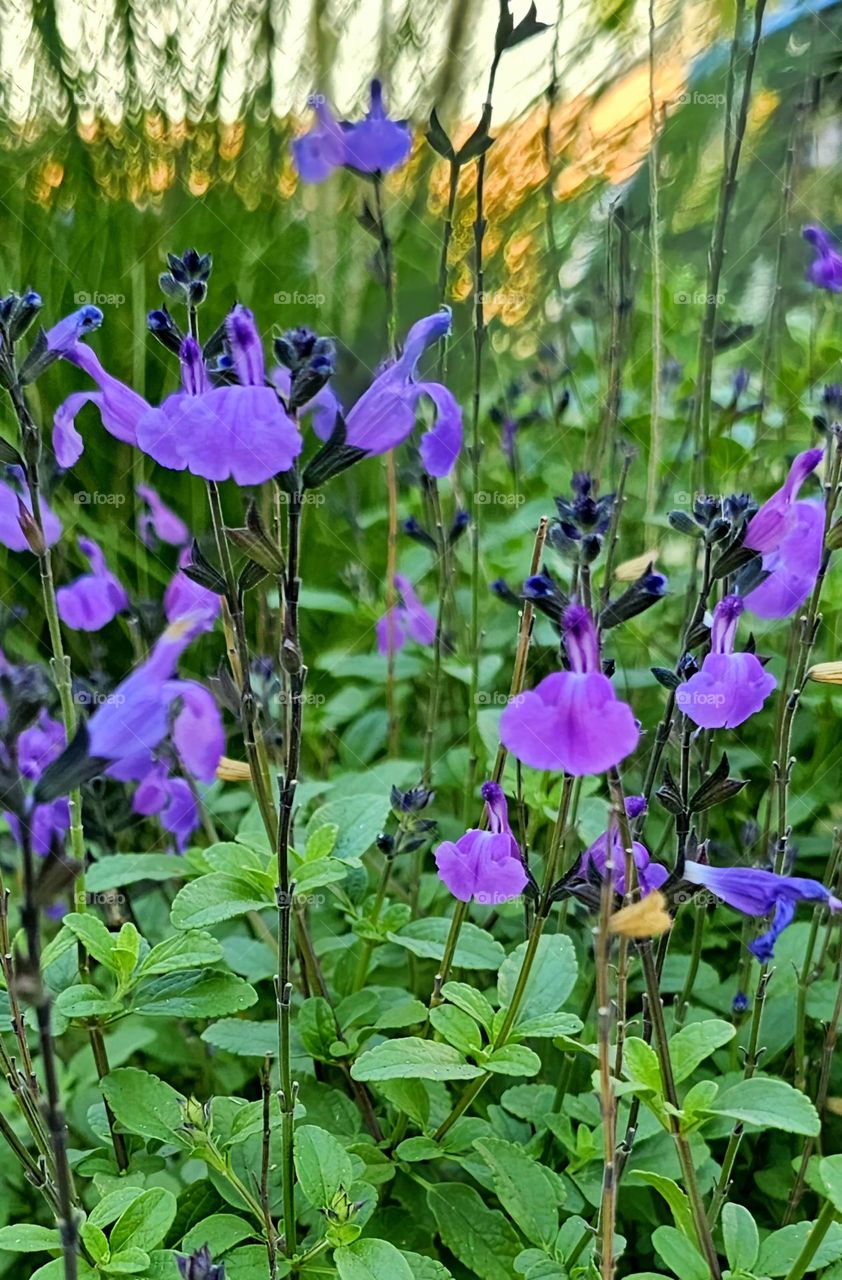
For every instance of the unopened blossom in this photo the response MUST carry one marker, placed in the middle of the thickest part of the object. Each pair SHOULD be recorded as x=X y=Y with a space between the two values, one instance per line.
x=484 y=865
x=650 y=875
x=572 y=721
x=407 y=620
x=13 y=498
x=384 y=416
x=94 y=599
x=373 y=145
x=788 y=533
x=756 y=892
x=730 y=686
x=199 y=1265
x=64 y=335
x=160 y=520
x=825 y=270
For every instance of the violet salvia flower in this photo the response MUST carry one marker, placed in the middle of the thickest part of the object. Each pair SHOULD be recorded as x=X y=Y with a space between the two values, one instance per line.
x=384 y=415
x=159 y=520
x=120 y=408
x=151 y=703
x=63 y=336
x=240 y=432
x=756 y=892
x=730 y=686
x=94 y=599
x=650 y=875
x=37 y=746
x=184 y=597
x=408 y=620
x=825 y=270
x=11 y=501
x=484 y=865
x=788 y=534
x=172 y=800
x=199 y=1265
x=572 y=721
x=376 y=144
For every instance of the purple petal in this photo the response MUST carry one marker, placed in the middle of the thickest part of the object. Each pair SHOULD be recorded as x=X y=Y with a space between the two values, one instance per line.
x=11 y=534
x=793 y=565
x=167 y=526
x=197 y=730
x=120 y=408
x=441 y=445
x=246 y=347
x=571 y=722
x=318 y=153
x=480 y=865
x=62 y=337
x=729 y=688
x=391 y=631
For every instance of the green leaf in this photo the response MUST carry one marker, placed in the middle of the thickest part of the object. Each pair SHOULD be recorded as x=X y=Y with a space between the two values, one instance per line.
x=641 y=1064
x=371 y=1260
x=479 y=1237
x=470 y=1000
x=740 y=1236
x=321 y=842
x=766 y=1103
x=127 y=1262
x=316 y=1026
x=213 y=898
x=220 y=1232
x=194 y=994
x=830 y=1174
x=143 y=1104
x=525 y=1189
x=476 y=949
x=359 y=819
x=551 y=978
x=692 y=1044
x=146 y=1221
x=191 y=950
x=411 y=1058
x=679 y=1254
x=85 y=1001
x=108 y=1209
x=322 y=1165
x=513 y=1060
x=26 y=1237
x=458 y=1028
x=779 y=1250
x=93 y=935
x=122 y=869
x=424 y=1268
x=674 y=1196
x=244 y=1038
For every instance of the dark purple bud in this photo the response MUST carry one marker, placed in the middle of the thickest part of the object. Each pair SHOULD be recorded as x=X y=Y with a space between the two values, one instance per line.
x=740 y=1003
x=198 y=1266
x=460 y=523
x=832 y=397
x=688 y=666
x=741 y=380
x=647 y=590
x=503 y=591
x=162 y=326
x=412 y=801
x=415 y=530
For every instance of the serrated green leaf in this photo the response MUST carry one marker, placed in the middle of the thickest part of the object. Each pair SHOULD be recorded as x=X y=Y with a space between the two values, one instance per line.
x=322 y=1165
x=371 y=1259
x=551 y=978
x=145 y=1222
x=144 y=1104
x=525 y=1189
x=412 y=1058
x=427 y=938
x=740 y=1236
x=479 y=1237
x=214 y=898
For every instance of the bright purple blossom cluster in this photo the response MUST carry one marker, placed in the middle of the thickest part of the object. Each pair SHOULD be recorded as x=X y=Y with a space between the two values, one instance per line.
x=371 y=146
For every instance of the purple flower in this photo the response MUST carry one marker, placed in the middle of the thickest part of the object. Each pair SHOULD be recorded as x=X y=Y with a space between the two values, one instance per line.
x=11 y=533
x=373 y=145
x=92 y=601
x=572 y=721
x=650 y=875
x=62 y=337
x=151 y=703
x=172 y=800
x=825 y=270
x=119 y=407
x=484 y=865
x=199 y=1265
x=37 y=746
x=406 y=620
x=730 y=686
x=384 y=415
x=239 y=432
x=159 y=520
x=185 y=597
x=757 y=893
x=788 y=534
